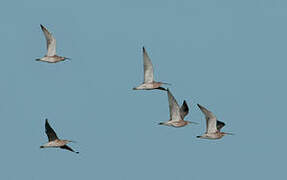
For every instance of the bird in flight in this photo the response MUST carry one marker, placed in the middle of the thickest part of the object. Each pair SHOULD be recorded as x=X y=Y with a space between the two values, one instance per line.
x=149 y=83
x=54 y=141
x=213 y=126
x=51 y=56
x=177 y=114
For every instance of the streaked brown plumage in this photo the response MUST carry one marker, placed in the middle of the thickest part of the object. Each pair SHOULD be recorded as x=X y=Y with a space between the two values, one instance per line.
x=149 y=83
x=177 y=113
x=54 y=141
x=213 y=126
x=51 y=56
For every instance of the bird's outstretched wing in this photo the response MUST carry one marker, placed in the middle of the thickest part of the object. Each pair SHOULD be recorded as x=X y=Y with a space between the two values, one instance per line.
x=68 y=148
x=210 y=120
x=174 y=109
x=184 y=109
x=51 y=42
x=219 y=125
x=50 y=132
x=148 y=68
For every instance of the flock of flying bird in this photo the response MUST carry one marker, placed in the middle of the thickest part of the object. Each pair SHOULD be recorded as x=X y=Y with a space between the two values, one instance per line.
x=177 y=113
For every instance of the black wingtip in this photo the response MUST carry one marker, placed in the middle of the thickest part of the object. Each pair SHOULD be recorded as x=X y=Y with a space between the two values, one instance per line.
x=41 y=146
x=143 y=49
x=198 y=136
x=184 y=102
x=42 y=26
x=160 y=123
x=77 y=152
x=184 y=107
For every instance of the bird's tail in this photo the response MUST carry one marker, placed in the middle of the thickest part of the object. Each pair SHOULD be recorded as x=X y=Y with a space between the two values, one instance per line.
x=229 y=133
x=166 y=83
x=190 y=122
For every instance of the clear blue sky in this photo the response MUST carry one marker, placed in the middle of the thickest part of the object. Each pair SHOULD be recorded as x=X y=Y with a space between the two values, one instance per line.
x=229 y=56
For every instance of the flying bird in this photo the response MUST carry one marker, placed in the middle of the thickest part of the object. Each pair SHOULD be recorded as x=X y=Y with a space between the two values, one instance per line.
x=149 y=83
x=213 y=126
x=177 y=113
x=54 y=141
x=51 y=56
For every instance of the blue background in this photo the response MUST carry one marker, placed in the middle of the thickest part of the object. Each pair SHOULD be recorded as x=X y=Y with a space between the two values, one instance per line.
x=229 y=56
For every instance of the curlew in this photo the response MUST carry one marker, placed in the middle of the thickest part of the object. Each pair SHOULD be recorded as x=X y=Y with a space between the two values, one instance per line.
x=51 y=56
x=213 y=126
x=54 y=141
x=177 y=113
x=149 y=83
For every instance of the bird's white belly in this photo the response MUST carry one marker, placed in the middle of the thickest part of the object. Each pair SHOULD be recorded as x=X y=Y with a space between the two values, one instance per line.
x=177 y=123
x=54 y=144
x=146 y=86
x=211 y=136
x=50 y=59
